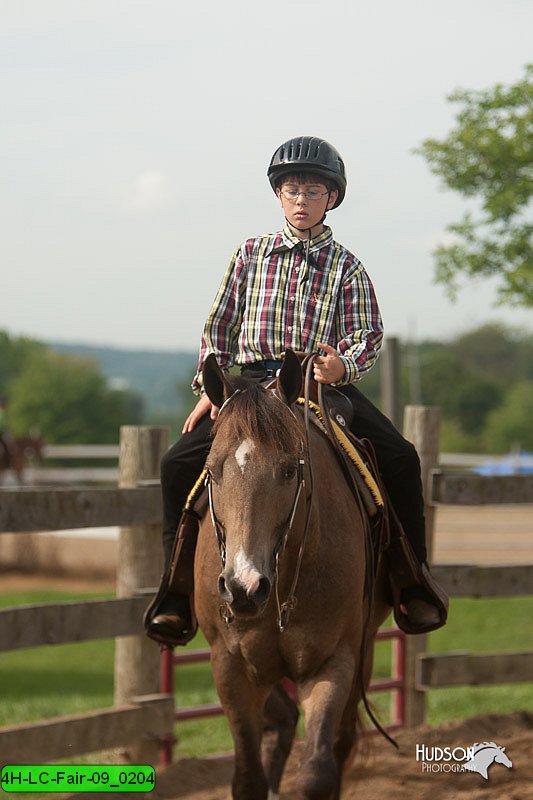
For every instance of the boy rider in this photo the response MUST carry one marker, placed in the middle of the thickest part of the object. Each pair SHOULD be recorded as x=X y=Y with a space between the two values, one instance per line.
x=297 y=288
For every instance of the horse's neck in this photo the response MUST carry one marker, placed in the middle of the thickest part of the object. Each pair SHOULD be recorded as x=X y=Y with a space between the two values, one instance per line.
x=330 y=488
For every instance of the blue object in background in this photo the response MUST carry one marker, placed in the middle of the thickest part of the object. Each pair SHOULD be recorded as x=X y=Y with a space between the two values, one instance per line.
x=513 y=464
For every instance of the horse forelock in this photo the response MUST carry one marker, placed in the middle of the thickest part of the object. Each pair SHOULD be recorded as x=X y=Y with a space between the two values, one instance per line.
x=254 y=413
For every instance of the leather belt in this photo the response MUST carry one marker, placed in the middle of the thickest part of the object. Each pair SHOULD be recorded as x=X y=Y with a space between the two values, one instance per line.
x=267 y=368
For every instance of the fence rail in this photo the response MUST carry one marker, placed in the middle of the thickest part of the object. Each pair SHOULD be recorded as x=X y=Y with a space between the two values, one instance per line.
x=91 y=732
x=469 y=669
x=80 y=451
x=61 y=623
x=54 y=475
x=31 y=510
x=93 y=451
x=469 y=489
x=466 y=580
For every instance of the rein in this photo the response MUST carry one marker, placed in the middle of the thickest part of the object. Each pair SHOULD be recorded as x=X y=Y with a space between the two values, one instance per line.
x=284 y=609
x=371 y=569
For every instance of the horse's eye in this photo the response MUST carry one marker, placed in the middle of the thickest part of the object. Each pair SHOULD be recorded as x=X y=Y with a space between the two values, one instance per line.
x=290 y=472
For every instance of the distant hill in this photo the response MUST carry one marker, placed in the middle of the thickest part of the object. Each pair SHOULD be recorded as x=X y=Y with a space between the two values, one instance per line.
x=161 y=377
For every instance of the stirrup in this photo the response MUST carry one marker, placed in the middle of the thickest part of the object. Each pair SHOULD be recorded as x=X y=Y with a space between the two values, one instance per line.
x=170 y=634
x=168 y=631
x=434 y=596
x=406 y=572
x=178 y=582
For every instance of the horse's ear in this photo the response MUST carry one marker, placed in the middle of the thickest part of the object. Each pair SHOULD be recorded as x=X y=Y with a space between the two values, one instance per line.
x=217 y=386
x=290 y=378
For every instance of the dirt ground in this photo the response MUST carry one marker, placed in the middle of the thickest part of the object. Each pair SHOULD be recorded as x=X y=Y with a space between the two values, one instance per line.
x=379 y=772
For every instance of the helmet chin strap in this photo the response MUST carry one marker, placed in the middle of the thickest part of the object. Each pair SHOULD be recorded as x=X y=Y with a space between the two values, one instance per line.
x=308 y=231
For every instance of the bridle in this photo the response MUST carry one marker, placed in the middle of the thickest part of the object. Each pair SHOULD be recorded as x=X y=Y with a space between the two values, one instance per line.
x=283 y=608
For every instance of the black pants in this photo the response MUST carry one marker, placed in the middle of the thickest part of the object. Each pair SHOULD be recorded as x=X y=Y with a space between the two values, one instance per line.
x=397 y=459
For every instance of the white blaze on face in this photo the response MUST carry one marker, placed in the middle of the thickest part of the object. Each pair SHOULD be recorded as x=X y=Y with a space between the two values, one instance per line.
x=245 y=572
x=242 y=453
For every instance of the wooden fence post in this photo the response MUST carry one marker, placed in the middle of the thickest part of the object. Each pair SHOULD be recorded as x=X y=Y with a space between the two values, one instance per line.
x=137 y=659
x=422 y=428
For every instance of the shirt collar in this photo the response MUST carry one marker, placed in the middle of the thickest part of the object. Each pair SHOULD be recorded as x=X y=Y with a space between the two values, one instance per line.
x=289 y=240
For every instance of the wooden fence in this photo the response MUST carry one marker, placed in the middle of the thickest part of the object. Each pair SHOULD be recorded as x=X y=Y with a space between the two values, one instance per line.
x=425 y=671
x=142 y=717
x=86 y=454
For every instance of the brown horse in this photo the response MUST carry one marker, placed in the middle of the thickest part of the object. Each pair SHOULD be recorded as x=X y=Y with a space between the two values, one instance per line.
x=19 y=451
x=281 y=541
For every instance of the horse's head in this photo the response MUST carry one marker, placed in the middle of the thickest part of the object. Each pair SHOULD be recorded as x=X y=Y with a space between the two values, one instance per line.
x=501 y=757
x=255 y=474
x=483 y=755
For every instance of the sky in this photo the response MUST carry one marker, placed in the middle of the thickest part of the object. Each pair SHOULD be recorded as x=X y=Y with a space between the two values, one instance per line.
x=136 y=138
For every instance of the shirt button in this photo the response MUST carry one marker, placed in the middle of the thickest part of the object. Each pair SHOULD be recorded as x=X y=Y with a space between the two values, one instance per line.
x=289 y=329
x=292 y=299
x=297 y=269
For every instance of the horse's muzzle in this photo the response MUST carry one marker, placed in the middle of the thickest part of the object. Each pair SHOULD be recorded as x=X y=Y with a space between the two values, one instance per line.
x=243 y=601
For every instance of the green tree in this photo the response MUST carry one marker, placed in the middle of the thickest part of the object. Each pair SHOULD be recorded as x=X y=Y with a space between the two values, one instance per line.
x=493 y=350
x=15 y=354
x=488 y=155
x=441 y=372
x=464 y=392
x=510 y=424
x=475 y=398
x=67 y=399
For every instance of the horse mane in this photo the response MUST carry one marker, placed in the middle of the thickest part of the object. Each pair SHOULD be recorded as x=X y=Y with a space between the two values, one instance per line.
x=477 y=746
x=479 y=760
x=257 y=414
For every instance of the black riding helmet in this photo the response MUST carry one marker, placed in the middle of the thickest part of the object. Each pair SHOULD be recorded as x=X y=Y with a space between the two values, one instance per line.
x=308 y=154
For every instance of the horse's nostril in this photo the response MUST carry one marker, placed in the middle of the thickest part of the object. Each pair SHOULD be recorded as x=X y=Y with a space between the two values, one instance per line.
x=262 y=591
x=223 y=589
x=235 y=593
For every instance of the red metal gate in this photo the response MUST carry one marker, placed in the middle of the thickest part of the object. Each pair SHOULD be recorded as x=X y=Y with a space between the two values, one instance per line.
x=396 y=683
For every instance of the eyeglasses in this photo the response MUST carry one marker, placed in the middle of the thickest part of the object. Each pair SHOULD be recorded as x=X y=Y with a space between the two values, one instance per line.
x=293 y=194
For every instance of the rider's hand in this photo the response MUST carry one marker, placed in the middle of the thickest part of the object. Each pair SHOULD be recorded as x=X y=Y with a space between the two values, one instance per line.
x=328 y=368
x=202 y=407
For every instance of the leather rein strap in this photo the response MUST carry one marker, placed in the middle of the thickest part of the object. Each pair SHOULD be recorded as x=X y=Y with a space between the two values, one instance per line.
x=284 y=609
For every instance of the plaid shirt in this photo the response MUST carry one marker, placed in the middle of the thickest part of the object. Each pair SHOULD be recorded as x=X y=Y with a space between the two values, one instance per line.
x=271 y=299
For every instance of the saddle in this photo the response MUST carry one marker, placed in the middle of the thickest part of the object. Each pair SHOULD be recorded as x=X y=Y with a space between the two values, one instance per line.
x=333 y=412
x=333 y=416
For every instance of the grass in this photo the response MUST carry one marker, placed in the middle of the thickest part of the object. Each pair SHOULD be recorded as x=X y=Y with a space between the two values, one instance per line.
x=66 y=679
x=54 y=680
x=483 y=626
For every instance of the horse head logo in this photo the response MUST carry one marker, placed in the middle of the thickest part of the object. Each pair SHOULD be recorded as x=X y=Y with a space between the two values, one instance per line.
x=483 y=755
